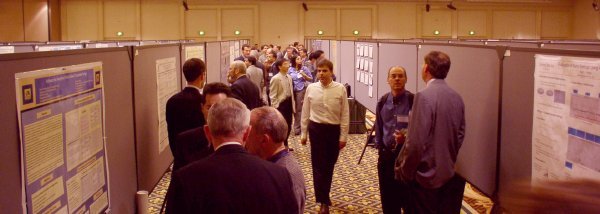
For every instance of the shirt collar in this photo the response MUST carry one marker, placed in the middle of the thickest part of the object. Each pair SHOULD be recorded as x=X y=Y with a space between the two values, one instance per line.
x=227 y=143
x=430 y=81
x=193 y=86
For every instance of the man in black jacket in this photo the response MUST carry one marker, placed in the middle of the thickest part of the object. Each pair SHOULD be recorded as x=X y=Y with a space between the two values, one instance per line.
x=242 y=88
x=184 y=109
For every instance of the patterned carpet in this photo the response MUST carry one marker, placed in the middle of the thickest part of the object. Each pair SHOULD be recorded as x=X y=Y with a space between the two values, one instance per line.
x=355 y=186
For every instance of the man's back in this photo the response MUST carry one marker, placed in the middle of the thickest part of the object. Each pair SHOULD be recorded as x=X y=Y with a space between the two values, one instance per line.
x=437 y=126
x=292 y=166
x=183 y=112
x=255 y=75
x=231 y=181
x=244 y=90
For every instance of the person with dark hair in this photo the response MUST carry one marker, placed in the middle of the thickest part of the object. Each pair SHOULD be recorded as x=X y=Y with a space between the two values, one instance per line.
x=245 y=53
x=231 y=180
x=192 y=144
x=242 y=87
x=314 y=57
x=301 y=77
x=391 y=121
x=436 y=133
x=255 y=75
x=282 y=93
x=325 y=120
x=266 y=141
x=263 y=54
x=184 y=109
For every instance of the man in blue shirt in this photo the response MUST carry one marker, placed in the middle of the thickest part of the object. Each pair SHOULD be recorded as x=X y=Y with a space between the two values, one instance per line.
x=390 y=128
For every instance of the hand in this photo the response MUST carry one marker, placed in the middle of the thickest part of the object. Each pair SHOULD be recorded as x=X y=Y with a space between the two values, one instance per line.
x=400 y=137
x=303 y=141
x=342 y=144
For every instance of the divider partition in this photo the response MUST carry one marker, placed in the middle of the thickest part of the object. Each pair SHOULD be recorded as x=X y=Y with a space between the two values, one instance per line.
x=213 y=60
x=119 y=127
x=347 y=54
x=475 y=75
x=153 y=158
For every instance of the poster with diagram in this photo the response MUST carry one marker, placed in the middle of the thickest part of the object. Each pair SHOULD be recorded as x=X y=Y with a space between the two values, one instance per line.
x=566 y=118
x=63 y=153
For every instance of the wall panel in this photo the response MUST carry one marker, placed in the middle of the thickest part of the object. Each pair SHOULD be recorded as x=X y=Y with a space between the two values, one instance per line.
x=556 y=24
x=161 y=19
x=121 y=16
x=440 y=20
x=201 y=20
x=360 y=19
x=320 y=19
x=472 y=20
x=11 y=20
x=396 y=20
x=241 y=19
x=505 y=25
x=81 y=20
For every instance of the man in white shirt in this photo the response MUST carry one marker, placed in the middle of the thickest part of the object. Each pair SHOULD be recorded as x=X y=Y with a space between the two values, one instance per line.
x=325 y=120
x=281 y=93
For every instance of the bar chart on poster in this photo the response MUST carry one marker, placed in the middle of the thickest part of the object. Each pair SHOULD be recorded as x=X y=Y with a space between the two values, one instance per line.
x=63 y=157
x=566 y=118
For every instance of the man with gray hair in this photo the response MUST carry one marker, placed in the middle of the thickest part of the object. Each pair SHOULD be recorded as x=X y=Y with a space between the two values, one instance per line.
x=242 y=88
x=231 y=180
x=269 y=130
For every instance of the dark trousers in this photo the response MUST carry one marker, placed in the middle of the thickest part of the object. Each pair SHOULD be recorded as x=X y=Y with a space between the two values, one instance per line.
x=324 y=152
x=446 y=199
x=393 y=193
x=286 y=109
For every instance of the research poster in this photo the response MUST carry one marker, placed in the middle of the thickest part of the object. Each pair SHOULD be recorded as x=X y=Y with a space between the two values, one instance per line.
x=166 y=86
x=194 y=52
x=225 y=50
x=63 y=153
x=566 y=118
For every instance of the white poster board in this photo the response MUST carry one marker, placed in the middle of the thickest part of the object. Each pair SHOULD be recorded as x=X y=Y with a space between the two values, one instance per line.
x=566 y=118
x=63 y=153
x=166 y=86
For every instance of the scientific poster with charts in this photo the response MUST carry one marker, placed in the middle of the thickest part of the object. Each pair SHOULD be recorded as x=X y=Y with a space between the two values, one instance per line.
x=566 y=118
x=166 y=86
x=194 y=52
x=63 y=153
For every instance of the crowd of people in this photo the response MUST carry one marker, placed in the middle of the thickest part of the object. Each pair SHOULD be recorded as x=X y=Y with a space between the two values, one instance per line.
x=230 y=142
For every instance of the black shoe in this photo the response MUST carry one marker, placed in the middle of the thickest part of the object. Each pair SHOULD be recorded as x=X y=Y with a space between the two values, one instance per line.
x=290 y=149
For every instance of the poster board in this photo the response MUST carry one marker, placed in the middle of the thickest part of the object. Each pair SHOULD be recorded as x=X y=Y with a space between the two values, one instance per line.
x=63 y=153
x=156 y=78
x=365 y=74
x=188 y=51
x=119 y=129
x=566 y=123
x=225 y=61
x=213 y=62
x=517 y=113
x=477 y=157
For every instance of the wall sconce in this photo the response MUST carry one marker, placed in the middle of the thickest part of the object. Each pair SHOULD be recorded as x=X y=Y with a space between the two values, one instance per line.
x=471 y=32
x=320 y=32
x=120 y=33
x=201 y=33
x=237 y=32
x=355 y=32
x=436 y=32
x=450 y=6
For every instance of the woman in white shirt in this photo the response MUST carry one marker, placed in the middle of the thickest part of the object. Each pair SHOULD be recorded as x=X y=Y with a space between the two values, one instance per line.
x=325 y=120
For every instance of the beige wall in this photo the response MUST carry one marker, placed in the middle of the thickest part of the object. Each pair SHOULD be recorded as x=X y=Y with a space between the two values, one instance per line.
x=24 y=20
x=282 y=22
x=586 y=21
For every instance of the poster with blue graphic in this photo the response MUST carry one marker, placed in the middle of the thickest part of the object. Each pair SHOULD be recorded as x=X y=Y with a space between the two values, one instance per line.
x=63 y=153
x=566 y=118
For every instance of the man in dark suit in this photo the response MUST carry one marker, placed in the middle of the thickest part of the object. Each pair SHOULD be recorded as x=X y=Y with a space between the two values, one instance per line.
x=192 y=144
x=184 y=109
x=243 y=88
x=435 y=134
x=231 y=180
